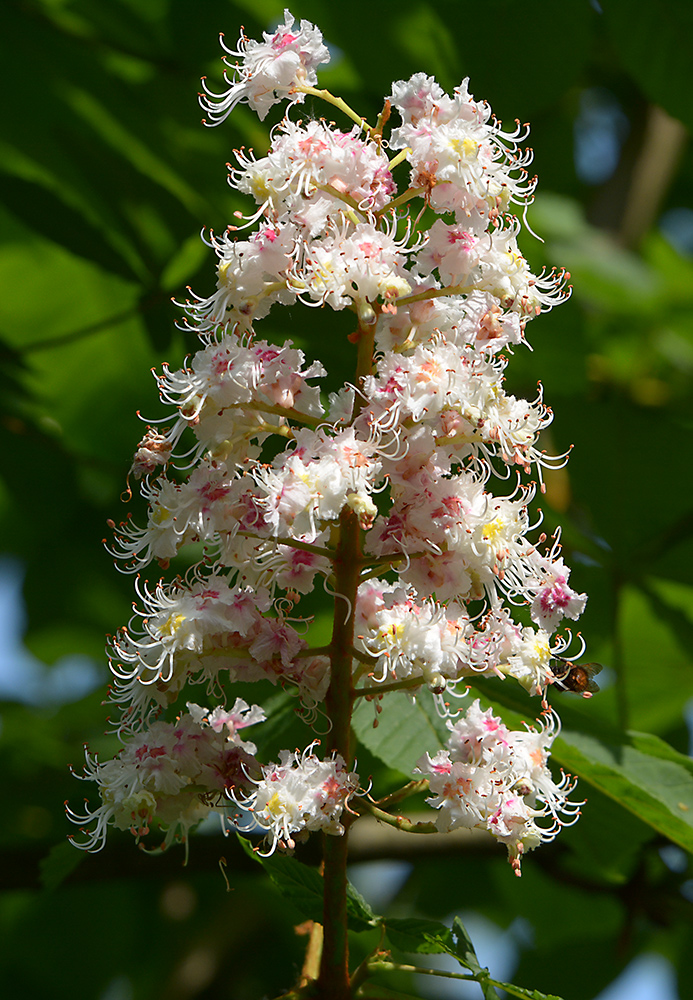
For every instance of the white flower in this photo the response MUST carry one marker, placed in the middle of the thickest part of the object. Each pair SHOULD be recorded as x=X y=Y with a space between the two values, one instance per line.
x=253 y=382
x=301 y=793
x=554 y=599
x=314 y=174
x=174 y=772
x=459 y=541
x=310 y=482
x=195 y=632
x=453 y=250
x=269 y=486
x=179 y=513
x=251 y=276
x=356 y=265
x=154 y=449
x=459 y=393
x=458 y=152
x=269 y=71
x=239 y=717
x=467 y=256
x=528 y=659
x=497 y=779
x=476 y=319
x=420 y=97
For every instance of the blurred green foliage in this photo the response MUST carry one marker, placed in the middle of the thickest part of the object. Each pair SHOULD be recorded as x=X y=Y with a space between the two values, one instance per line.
x=106 y=178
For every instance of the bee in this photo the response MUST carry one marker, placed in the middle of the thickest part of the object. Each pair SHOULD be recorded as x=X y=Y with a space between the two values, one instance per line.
x=575 y=677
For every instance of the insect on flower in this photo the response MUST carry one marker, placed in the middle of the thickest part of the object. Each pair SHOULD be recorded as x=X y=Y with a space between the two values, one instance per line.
x=576 y=677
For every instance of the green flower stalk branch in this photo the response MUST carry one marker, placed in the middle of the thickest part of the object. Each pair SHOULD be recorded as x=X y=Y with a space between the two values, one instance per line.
x=381 y=493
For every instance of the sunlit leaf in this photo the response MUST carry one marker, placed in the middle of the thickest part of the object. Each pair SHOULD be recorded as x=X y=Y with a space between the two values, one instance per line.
x=303 y=886
x=400 y=736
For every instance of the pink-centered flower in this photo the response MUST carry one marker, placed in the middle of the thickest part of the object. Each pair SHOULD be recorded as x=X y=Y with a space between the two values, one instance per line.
x=268 y=71
x=494 y=778
x=300 y=795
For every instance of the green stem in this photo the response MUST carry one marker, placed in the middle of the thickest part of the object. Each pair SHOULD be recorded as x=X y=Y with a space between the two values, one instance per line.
x=401 y=200
x=411 y=788
x=282 y=411
x=377 y=689
x=433 y=293
x=346 y=579
x=379 y=965
x=292 y=543
x=313 y=651
x=382 y=965
x=341 y=196
x=385 y=563
x=400 y=158
x=364 y=365
x=338 y=102
x=399 y=822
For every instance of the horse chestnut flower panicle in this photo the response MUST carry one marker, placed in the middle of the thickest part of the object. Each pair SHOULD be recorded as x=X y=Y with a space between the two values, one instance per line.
x=382 y=492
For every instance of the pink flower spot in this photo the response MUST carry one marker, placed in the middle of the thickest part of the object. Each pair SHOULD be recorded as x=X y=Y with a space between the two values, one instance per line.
x=280 y=42
x=152 y=752
x=463 y=239
x=554 y=597
x=369 y=249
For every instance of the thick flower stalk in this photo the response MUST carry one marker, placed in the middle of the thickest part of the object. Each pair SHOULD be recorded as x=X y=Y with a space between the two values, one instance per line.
x=404 y=495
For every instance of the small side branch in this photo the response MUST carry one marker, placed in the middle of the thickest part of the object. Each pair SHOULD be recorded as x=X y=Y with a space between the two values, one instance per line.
x=399 y=822
x=340 y=103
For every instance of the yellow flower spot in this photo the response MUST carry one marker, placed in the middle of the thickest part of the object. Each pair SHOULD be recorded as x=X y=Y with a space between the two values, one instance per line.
x=260 y=189
x=466 y=149
x=275 y=806
x=222 y=271
x=515 y=260
x=491 y=532
x=541 y=650
x=391 y=634
x=159 y=514
x=172 y=624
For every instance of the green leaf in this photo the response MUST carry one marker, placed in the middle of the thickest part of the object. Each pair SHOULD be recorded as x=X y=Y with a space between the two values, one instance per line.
x=303 y=886
x=429 y=937
x=656 y=631
x=654 y=746
x=601 y=850
x=637 y=774
x=61 y=861
x=418 y=936
x=46 y=213
x=465 y=954
x=296 y=881
x=645 y=41
x=403 y=732
x=463 y=951
x=359 y=911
